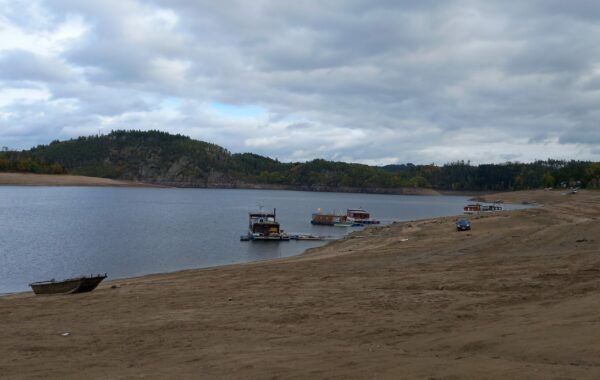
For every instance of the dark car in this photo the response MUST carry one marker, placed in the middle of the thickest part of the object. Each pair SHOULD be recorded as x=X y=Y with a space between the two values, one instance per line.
x=463 y=225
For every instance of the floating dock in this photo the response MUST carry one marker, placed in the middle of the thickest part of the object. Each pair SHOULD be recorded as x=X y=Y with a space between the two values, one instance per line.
x=305 y=237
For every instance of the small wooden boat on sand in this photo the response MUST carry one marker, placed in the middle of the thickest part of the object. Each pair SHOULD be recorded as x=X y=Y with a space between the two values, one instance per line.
x=71 y=285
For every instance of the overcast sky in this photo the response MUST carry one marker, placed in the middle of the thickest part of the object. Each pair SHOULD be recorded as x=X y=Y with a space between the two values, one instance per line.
x=376 y=82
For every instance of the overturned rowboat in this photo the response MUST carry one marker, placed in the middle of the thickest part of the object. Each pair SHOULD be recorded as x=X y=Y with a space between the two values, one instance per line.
x=71 y=285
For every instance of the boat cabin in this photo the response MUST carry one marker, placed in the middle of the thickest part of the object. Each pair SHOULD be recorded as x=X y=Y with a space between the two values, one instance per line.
x=358 y=214
x=493 y=207
x=327 y=219
x=263 y=223
x=472 y=208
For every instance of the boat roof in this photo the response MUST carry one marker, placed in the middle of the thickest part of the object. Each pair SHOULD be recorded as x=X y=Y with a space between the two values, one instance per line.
x=260 y=214
x=266 y=224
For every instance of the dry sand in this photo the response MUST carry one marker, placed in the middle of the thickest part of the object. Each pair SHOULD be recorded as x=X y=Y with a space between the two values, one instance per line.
x=516 y=297
x=26 y=179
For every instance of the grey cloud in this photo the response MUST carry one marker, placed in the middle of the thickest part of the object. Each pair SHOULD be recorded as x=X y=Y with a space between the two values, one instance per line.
x=558 y=54
x=510 y=157
x=590 y=134
x=355 y=79
x=23 y=65
x=109 y=62
x=299 y=126
x=101 y=101
x=592 y=84
x=585 y=10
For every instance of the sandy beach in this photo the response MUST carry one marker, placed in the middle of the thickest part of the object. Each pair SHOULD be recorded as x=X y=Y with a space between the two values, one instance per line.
x=516 y=297
x=27 y=179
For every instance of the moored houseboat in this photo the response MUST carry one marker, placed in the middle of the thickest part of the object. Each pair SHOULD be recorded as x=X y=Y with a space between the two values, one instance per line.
x=493 y=207
x=321 y=219
x=476 y=208
x=473 y=208
x=360 y=216
x=264 y=226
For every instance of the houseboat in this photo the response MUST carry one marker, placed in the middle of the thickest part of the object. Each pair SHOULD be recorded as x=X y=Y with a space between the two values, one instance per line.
x=264 y=226
x=360 y=216
x=476 y=208
x=490 y=208
x=473 y=208
x=321 y=219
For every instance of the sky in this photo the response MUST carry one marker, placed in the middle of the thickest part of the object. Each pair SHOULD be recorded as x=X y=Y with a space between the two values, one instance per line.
x=374 y=82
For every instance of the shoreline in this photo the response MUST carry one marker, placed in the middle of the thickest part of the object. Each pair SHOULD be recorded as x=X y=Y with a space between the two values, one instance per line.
x=30 y=179
x=58 y=180
x=267 y=260
x=412 y=299
x=109 y=280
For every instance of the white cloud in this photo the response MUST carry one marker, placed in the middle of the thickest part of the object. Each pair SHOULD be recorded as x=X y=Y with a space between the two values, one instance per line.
x=168 y=70
x=11 y=96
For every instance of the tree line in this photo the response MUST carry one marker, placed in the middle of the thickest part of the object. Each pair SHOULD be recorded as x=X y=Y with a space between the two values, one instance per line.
x=24 y=163
x=506 y=176
x=160 y=157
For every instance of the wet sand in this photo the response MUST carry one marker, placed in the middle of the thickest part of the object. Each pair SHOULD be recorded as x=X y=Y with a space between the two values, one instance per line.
x=516 y=297
x=26 y=179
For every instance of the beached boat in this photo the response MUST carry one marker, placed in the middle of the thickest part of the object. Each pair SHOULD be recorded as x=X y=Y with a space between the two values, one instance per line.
x=360 y=216
x=71 y=285
x=263 y=226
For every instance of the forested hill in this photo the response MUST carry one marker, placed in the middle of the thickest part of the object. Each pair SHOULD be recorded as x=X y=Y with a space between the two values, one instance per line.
x=176 y=160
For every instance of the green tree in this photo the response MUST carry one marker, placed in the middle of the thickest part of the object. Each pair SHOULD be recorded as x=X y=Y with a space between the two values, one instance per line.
x=548 y=180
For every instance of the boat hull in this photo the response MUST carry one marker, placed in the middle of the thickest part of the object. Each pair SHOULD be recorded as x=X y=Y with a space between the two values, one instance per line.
x=344 y=224
x=258 y=237
x=68 y=286
x=370 y=221
x=318 y=223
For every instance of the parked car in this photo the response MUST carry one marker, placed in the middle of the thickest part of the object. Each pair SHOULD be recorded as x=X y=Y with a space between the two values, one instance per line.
x=463 y=225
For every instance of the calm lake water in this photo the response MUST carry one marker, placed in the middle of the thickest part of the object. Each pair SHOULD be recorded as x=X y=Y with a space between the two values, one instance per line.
x=60 y=232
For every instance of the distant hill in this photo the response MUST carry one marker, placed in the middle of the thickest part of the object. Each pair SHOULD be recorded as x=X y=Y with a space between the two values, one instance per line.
x=174 y=160
x=153 y=156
